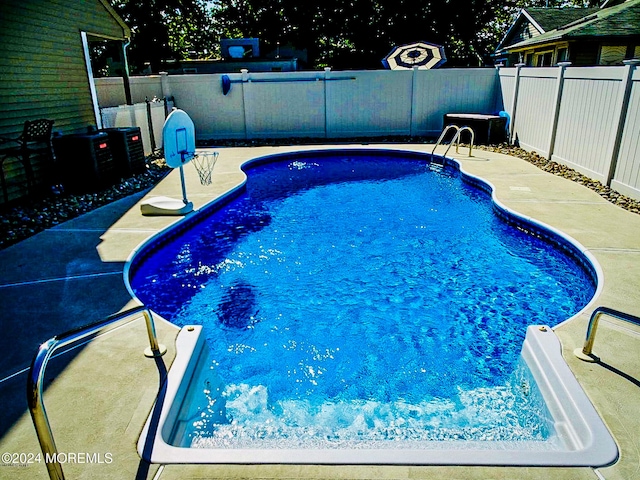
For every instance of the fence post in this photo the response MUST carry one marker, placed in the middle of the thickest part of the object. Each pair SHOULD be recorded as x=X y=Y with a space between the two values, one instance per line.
x=245 y=80
x=514 y=103
x=622 y=108
x=327 y=75
x=556 y=112
x=498 y=101
x=413 y=112
x=165 y=85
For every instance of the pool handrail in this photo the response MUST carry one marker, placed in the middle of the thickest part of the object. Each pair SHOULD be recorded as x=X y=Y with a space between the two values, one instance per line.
x=455 y=139
x=585 y=353
x=35 y=378
x=458 y=136
x=444 y=132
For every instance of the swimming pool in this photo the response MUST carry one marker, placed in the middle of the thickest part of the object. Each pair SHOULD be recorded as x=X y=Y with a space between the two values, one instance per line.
x=437 y=384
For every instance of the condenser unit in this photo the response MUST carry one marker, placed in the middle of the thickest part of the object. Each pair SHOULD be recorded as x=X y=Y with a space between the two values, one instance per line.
x=127 y=149
x=85 y=161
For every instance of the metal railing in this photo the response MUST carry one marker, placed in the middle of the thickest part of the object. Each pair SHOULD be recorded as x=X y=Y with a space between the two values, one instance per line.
x=35 y=379
x=455 y=139
x=444 y=132
x=585 y=353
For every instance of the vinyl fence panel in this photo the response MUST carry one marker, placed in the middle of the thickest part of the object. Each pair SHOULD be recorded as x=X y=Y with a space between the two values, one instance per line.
x=453 y=91
x=110 y=90
x=507 y=85
x=372 y=103
x=595 y=124
x=627 y=176
x=586 y=119
x=318 y=104
x=149 y=117
x=281 y=105
x=214 y=115
x=535 y=108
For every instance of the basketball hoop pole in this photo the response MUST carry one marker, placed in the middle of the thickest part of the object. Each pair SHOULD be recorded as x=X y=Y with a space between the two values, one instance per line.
x=184 y=187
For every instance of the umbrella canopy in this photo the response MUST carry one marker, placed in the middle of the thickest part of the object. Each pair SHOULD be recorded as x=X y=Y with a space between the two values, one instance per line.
x=423 y=55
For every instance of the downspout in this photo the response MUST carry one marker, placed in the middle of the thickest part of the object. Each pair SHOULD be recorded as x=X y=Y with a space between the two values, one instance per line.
x=125 y=72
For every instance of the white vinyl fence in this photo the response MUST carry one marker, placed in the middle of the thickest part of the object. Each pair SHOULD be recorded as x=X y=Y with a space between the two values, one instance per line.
x=323 y=104
x=587 y=118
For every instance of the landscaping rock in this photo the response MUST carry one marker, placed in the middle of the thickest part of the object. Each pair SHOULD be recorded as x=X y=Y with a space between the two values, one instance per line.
x=604 y=191
x=21 y=220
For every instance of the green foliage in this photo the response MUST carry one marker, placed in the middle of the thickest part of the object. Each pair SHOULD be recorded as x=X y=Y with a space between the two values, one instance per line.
x=353 y=34
x=168 y=30
x=359 y=33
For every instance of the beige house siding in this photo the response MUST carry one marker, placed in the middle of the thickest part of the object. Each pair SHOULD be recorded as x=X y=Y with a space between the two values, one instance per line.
x=525 y=31
x=43 y=73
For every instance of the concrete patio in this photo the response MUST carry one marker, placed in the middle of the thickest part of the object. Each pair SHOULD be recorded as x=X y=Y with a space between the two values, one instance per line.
x=99 y=395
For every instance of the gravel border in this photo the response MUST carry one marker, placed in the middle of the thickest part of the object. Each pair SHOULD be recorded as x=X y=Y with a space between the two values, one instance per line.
x=561 y=170
x=23 y=219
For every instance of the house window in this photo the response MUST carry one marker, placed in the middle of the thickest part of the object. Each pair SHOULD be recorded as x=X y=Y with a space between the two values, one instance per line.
x=612 y=54
x=563 y=55
x=528 y=59
x=543 y=59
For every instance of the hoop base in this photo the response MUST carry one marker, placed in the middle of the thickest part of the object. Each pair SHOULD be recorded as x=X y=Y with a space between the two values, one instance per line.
x=165 y=206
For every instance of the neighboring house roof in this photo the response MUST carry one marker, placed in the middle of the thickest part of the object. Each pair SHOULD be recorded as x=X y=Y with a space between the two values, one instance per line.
x=621 y=20
x=552 y=18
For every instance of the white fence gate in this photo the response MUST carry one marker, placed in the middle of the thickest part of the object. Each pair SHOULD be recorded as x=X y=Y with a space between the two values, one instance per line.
x=149 y=116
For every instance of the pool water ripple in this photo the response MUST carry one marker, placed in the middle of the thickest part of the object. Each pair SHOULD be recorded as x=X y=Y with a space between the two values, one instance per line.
x=342 y=294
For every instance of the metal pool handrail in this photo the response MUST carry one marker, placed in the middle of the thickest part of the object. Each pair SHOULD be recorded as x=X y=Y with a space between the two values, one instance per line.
x=455 y=139
x=584 y=353
x=39 y=365
x=441 y=137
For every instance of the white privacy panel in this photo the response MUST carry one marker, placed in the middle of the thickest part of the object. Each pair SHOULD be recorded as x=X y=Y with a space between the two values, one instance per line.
x=586 y=124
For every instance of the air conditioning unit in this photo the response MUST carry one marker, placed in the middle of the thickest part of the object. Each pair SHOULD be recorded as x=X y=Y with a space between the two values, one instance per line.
x=85 y=161
x=127 y=149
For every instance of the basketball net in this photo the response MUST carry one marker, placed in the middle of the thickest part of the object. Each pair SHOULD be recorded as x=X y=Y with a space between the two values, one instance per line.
x=204 y=163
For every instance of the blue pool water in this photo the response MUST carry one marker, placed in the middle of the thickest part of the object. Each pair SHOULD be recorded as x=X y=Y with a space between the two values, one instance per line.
x=361 y=298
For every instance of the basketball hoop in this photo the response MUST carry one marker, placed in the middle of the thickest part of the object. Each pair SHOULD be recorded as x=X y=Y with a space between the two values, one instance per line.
x=179 y=145
x=204 y=163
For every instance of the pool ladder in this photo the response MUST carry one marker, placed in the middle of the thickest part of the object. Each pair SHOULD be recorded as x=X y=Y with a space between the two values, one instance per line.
x=38 y=366
x=456 y=139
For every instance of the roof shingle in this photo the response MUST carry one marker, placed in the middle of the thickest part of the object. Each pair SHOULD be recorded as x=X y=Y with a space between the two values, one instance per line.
x=552 y=18
x=622 y=20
